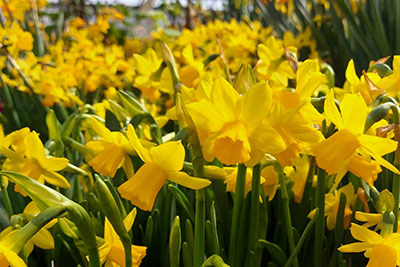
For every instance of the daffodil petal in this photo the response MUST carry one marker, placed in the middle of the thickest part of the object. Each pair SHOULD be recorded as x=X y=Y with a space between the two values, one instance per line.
x=140 y=149
x=184 y=179
x=169 y=156
x=55 y=179
x=331 y=111
x=225 y=97
x=354 y=112
x=364 y=234
x=355 y=247
x=379 y=145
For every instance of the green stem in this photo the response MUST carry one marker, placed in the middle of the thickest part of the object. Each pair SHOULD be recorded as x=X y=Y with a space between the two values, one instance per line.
x=286 y=211
x=396 y=194
x=199 y=231
x=320 y=224
x=254 y=209
x=6 y=197
x=237 y=207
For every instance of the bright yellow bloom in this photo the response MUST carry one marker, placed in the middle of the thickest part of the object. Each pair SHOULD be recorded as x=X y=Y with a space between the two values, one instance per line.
x=381 y=251
x=161 y=163
x=391 y=83
x=111 y=151
x=359 y=85
x=146 y=67
x=273 y=66
x=112 y=251
x=332 y=205
x=349 y=149
x=298 y=173
x=233 y=123
x=34 y=163
x=8 y=254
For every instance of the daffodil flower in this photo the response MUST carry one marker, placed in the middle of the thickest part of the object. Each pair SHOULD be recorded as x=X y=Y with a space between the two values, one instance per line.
x=349 y=149
x=8 y=254
x=34 y=163
x=161 y=163
x=359 y=85
x=111 y=151
x=112 y=250
x=233 y=124
x=381 y=251
x=332 y=205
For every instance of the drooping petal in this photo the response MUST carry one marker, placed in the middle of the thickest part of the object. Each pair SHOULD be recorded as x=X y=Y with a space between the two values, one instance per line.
x=169 y=156
x=53 y=164
x=184 y=179
x=142 y=188
x=109 y=233
x=55 y=179
x=354 y=112
x=367 y=170
x=43 y=239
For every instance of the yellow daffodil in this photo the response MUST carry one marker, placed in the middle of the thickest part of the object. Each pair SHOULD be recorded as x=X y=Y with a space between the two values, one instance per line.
x=111 y=151
x=391 y=83
x=146 y=66
x=359 y=85
x=271 y=182
x=332 y=204
x=349 y=149
x=161 y=163
x=273 y=66
x=233 y=124
x=381 y=251
x=298 y=173
x=231 y=180
x=8 y=254
x=112 y=251
x=35 y=164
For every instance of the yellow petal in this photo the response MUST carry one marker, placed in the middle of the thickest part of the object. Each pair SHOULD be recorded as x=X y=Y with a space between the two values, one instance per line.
x=396 y=64
x=169 y=156
x=360 y=167
x=55 y=179
x=129 y=219
x=331 y=111
x=128 y=166
x=109 y=233
x=142 y=65
x=267 y=139
x=256 y=103
x=142 y=188
x=101 y=129
x=379 y=145
x=140 y=149
x=108 y=161
x=334 y=151
x=13 y=259
x=34 y=147
x=355 y=247
x=382 y=255
x=212 y=120
x=53 y=164
x=104 y=250
x=43 y=239
x=354 y=112
x=351 y=75
x=184 y=179
x=224 y=96
x=364 y=234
